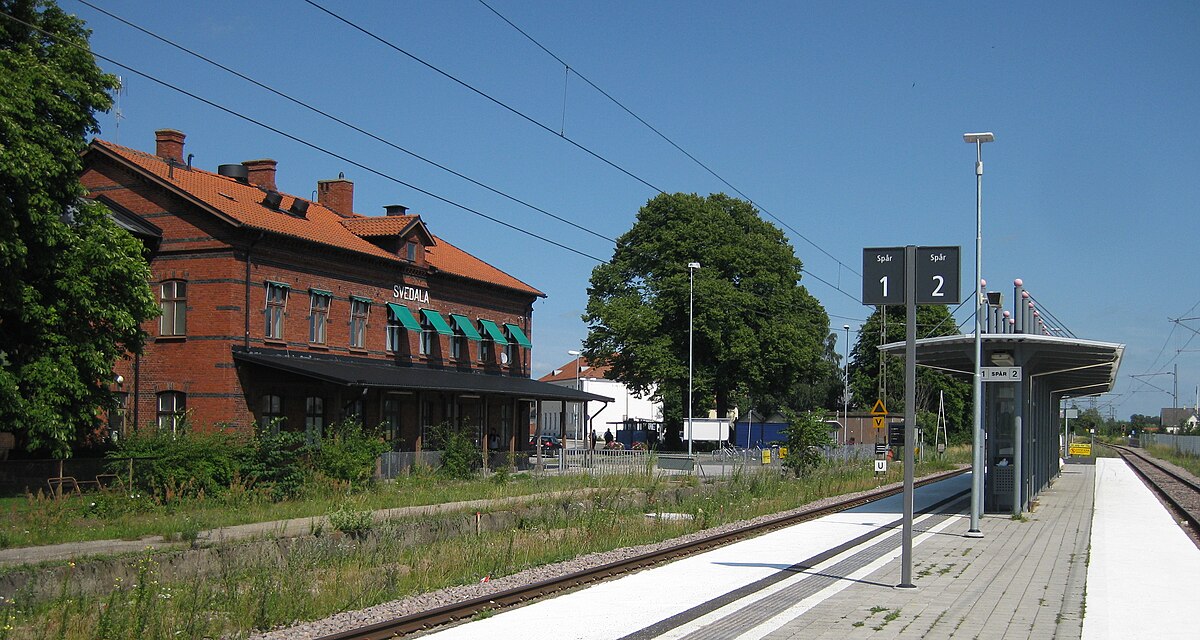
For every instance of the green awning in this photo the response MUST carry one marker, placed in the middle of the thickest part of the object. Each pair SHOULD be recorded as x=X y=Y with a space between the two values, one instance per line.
x=404 y=316
x=438 y=322
x=493 y=331
x=518 y=335
x=466 y=326
x=321 y=292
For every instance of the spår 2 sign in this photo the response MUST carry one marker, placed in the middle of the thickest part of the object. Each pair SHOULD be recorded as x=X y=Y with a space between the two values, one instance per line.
x=937 y=275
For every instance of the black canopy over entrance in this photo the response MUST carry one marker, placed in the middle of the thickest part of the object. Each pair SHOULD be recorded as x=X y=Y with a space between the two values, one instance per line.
x=405 y=400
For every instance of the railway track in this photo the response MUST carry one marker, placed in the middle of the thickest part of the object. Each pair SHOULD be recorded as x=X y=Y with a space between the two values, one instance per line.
x=466 y=609
x=1181 y=492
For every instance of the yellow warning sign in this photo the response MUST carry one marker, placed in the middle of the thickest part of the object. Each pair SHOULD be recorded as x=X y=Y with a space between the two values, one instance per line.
x=879 y=409
x=766 y=456
x=1080 y=449
x=877 y=422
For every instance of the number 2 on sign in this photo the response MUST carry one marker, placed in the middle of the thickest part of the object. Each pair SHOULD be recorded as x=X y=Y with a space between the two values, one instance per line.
x=937 y=291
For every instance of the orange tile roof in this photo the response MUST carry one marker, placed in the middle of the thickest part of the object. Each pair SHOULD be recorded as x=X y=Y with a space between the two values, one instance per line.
x=567 y=372
x=378 y=226
x=242 y=205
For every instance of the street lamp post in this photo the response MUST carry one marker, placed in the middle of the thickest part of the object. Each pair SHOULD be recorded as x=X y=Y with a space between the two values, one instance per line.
x=846 y=388
x=578 y=418
x=977 y=386
x=692 y=266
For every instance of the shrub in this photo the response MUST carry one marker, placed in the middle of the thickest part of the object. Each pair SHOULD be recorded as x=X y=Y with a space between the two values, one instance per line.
x=460 y=457
x=184 y=463
x=351 y=521
x=806 y=434
x=348 y=452
x=278 y=462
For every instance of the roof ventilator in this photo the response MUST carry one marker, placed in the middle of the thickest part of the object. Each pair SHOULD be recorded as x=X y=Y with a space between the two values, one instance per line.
x=272 y=199
x=238 y=172
x=299 y=207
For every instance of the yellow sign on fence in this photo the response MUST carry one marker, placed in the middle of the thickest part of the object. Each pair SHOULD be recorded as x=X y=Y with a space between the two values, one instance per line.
x=1080 y=449
x=766 y=456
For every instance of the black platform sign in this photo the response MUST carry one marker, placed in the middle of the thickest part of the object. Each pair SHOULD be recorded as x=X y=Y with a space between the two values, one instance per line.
x=896 y=434
x=937 y=275
x=883 y=276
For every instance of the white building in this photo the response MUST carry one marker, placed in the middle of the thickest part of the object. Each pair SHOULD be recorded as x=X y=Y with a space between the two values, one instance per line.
x=578 y=374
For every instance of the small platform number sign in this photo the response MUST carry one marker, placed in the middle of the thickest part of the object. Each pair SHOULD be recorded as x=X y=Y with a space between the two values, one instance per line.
x=937 y=275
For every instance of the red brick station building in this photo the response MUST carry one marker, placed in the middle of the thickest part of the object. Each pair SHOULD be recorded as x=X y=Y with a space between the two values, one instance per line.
x=279 y=307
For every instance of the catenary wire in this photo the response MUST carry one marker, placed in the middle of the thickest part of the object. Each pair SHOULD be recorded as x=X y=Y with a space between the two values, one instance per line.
x=540 y=125
x=341 y=121
x=302 y=141
x=665 y=138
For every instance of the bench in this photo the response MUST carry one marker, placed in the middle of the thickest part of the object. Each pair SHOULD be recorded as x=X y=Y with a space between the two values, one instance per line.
x=677 y=463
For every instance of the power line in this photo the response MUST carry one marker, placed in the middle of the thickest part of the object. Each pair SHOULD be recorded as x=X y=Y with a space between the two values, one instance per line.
x=533 y=121
x=664 y=137
x=340 y=121
x=302 y=141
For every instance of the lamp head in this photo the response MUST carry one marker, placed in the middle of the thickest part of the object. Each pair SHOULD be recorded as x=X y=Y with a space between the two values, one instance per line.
x=972 y=138
x=693 y=265
x=573 y=352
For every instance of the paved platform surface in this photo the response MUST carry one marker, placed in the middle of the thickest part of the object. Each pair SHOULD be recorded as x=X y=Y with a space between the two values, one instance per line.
x=1098 y=558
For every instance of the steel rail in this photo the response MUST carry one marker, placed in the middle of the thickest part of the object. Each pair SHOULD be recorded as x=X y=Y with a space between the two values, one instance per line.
x=425 y=620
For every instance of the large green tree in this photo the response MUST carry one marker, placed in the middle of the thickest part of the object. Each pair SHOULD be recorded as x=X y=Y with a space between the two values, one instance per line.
x=74 y=290
x=758 y=332
x=869 y=381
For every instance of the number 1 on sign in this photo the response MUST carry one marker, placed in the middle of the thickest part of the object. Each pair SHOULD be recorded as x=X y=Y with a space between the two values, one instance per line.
x=883 y=281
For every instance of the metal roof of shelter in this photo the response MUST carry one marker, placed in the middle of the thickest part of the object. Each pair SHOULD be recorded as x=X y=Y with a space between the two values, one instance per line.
x=1074 y=367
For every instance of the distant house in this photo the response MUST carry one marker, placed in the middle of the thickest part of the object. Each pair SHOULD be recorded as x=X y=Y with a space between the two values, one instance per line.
x=631 y=417
x=1173 y=420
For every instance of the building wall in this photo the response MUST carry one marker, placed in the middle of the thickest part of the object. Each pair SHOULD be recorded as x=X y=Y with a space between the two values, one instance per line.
x=211 y=257
x=626 y=405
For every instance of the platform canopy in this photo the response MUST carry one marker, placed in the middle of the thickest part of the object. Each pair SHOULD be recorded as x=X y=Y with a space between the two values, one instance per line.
x=1071 y=366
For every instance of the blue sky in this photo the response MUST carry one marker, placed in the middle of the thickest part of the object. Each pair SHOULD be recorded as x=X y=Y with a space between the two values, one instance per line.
x=844 y=120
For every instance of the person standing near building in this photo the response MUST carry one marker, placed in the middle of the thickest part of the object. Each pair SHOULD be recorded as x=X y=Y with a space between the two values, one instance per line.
x=608 y=437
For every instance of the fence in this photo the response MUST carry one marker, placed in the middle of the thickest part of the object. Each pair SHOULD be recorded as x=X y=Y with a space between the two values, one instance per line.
x=616 y=461
x=20 y=476
x=1183 y=444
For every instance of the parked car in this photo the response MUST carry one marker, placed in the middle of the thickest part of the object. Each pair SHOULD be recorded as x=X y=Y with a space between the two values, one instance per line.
x=549 y=443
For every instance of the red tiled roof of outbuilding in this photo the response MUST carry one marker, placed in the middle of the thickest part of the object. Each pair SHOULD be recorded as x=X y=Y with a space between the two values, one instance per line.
x=242 y=204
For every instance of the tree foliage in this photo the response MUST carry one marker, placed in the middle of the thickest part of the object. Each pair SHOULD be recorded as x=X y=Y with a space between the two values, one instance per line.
x=74 y=291
x=867 y=385
x=758 y=332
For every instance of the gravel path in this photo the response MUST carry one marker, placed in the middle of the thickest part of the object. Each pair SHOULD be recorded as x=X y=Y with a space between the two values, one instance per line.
x=450 y=595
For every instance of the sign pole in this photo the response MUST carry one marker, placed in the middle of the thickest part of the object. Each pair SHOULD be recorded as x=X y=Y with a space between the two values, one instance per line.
x=910 y=410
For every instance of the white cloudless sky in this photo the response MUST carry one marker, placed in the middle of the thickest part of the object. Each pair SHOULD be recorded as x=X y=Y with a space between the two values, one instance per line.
x=844 y=120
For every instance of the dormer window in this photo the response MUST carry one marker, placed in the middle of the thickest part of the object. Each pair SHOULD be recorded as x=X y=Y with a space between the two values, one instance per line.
x=410 y=251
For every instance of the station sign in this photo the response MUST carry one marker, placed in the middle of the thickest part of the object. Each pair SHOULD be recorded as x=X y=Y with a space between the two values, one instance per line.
x=1000 y=374
x=937 y=275
x=896 y=434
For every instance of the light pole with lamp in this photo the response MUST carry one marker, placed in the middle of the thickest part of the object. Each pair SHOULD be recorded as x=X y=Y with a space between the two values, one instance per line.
x=578 y=418
x=692 y=266
x=846 y=388
x=977 y=386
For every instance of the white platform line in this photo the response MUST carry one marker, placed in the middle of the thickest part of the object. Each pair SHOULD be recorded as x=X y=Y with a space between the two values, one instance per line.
x=798 y=609
x=743 y=603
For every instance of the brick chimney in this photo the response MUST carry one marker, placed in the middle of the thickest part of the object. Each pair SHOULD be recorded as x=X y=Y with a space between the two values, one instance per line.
x=395 y=209
x=261 y=173
x=169 y=145
x=337 y=195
